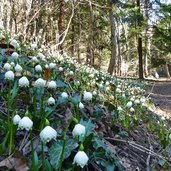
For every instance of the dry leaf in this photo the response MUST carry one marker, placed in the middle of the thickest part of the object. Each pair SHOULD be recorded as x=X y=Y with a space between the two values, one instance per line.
x=15 y=161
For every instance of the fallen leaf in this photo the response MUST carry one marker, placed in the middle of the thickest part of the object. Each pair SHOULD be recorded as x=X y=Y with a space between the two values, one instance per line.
x=15 y=161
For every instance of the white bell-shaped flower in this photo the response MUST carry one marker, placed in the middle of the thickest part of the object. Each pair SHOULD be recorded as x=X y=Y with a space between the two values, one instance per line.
x=14 y=43
x=12 y=64
x=120 y=108
x=87 y=96
x=18 y=68
x=52 y=85
x=61 y=69
x=129 y=104
x=7 y=66
x=23 y=82
x=15 y=55
x=71 y=73
x=118 y=90
x=47 y=134
x=33 y=46
x=51 y=101
x=52 y=65
x=81 y=159
x=132 y=109
x=81 y=106
x=9 y=75
x=94 y=93
x=137 y=101
x=64 y=95
x=16 y=119
x=40 y=82
x=34 y=59
x=78 y=130
x=25 y=123
x=38 y=68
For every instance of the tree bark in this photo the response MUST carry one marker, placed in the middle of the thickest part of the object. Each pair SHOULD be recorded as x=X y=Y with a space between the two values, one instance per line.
x=112 y=64
x=140 y=56
x=90 y=47
x=146 y=40
x=61 y=23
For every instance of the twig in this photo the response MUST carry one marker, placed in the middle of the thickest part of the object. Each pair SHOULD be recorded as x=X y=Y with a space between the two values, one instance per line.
x=149 y=156
x=140 y=148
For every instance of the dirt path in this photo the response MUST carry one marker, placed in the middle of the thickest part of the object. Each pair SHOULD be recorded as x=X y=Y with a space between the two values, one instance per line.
x=161 y=96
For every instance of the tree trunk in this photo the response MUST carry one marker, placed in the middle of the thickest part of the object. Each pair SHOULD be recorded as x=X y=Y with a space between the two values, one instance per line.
x=90 y=50
x=146 y=41
x=141 y=76
x=113 y=58
x=61 y=23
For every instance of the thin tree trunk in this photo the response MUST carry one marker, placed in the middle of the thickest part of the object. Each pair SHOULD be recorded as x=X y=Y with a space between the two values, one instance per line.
x=61 y=23
x=90 y=50
x=113 y=58
x=146 y=41
x=140 y=45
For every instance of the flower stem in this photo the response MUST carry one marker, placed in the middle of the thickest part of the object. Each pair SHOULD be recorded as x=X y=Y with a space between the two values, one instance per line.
x=9 y=123
x=64 y=144
x=43 y=157
x=32 y=151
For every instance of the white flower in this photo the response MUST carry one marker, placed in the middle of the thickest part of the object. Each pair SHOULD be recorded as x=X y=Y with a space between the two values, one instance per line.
x=64 y=95
x=52 y=65
x=71 y=73
x=120 y=108
x=18 y=68
x=94 y=93
x=14 y=43
x=78 y=130
x=33 y=46
x=87 y=96
x=15 y=55
x=40 y=83
x=129 y=104
x=40 y=55
x=162 y=118
x=12 y=64
x=46 y=66
x=25 y=123
x=38 y=68
x=132 y=109
x=61 y=69
x=34 y=59
x=81 y=106
x=118 y=90
x=9 y=75
x=47 y=134
x=16 y=119
x=142 y=100
x=81 y=158
x=23 y=82
x=137 y=101
x=52 y=85
x=7 y=66
x=51 y=101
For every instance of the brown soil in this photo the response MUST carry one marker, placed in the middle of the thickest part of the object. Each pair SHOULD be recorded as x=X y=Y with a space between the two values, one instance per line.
x=161 y=96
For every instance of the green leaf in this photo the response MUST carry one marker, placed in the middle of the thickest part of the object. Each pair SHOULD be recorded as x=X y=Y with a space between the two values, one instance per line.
x=2 y=145
x=89 y=126
x=60 y=83
x=36 y=161
x=56 y=150
x=48 y=166
x=97 y=143
x=76 y=99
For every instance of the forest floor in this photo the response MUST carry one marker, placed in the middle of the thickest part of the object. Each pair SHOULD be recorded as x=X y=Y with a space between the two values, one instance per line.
x=161 y=97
